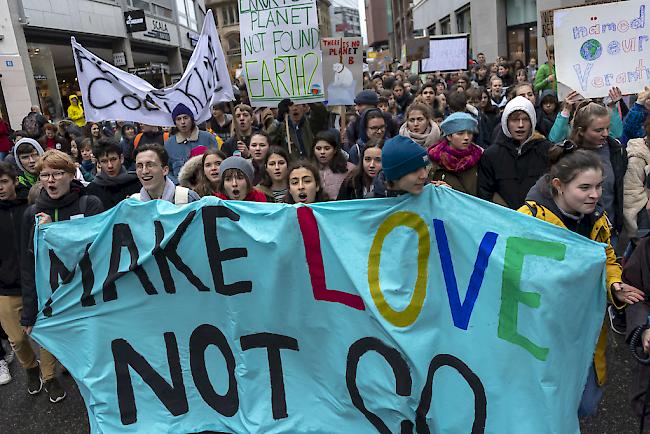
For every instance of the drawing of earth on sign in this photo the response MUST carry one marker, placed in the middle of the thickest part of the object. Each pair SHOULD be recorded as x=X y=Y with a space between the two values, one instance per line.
x=591 y=50
x=341 y=90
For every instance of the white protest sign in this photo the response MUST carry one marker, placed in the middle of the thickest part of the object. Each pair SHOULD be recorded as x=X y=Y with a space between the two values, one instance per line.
x=281 y=54
x=446 y=53
x=108 y=93
x=342 y=69
x=598 y=47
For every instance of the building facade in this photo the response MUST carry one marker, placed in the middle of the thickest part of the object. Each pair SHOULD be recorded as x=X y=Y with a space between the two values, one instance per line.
x=378 y=23
x=345 y=22
x=506 y=28
x=38 y=67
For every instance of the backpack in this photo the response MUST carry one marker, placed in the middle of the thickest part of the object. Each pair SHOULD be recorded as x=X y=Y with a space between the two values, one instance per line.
x=181 y=196
x=31 y=126
x=138 y=137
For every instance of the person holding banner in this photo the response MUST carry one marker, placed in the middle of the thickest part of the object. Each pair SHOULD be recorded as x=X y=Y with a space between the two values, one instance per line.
x=61 y=198
x=152 y=168
x=405 y=169
x=187 y=137
x=568 y=196
x=13 y=202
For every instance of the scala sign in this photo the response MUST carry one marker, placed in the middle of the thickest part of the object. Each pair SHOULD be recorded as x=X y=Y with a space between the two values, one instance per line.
x=135 y=21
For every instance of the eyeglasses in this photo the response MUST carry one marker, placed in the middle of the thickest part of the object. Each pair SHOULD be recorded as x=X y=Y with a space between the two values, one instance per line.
x=55 y=175
x=376 y=129
x=149 y=166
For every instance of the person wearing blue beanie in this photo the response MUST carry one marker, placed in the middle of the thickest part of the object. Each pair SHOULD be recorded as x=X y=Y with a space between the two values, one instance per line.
x=405 y=165
x=455 y=158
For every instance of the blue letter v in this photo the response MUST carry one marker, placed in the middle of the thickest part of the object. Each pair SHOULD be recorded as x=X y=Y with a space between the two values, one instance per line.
x=461 y=313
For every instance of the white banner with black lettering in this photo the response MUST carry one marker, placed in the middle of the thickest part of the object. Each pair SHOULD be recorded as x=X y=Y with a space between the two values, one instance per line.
x=108 y=93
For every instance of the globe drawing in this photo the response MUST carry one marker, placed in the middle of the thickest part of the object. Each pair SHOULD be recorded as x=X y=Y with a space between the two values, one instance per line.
x=591 y=50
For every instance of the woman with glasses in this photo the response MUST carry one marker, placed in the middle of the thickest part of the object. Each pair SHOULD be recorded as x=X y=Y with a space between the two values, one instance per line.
x=61 y=198
x=372 y=125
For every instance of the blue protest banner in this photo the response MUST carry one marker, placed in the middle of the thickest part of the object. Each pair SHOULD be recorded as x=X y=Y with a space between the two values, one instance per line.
x=429 y=313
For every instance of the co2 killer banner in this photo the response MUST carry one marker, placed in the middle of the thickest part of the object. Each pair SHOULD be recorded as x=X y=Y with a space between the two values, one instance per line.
x=597 y=47
x=281 y=55
x=342 y=69
x=108 y=93
x=429 y=313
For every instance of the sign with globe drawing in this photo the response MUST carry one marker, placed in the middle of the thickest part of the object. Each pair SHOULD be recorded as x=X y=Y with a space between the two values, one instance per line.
x=601 y=46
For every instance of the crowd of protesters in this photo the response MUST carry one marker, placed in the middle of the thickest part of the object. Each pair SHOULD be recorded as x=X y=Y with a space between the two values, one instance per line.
x=495 y=131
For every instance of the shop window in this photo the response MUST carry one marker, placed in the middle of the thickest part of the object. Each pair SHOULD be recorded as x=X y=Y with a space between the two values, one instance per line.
x=520 y=12
x=522 y=42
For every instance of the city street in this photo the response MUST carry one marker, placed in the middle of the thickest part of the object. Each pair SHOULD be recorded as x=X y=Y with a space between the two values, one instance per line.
x=23 y=414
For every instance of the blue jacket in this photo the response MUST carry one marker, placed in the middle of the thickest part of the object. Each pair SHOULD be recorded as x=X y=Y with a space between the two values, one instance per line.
x=633 y=123
x=179 y=153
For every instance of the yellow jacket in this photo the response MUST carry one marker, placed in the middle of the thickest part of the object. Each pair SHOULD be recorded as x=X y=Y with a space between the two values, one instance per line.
x=76 y=113
x=601 y=233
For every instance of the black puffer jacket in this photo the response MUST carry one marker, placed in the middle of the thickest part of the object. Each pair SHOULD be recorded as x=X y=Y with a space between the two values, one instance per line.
x=506 y=171
x=11 y=218
x=111 y=190
x=75 y=203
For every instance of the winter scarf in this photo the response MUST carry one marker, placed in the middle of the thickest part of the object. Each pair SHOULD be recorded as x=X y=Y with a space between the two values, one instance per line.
x=455 y=160
x=431 y=136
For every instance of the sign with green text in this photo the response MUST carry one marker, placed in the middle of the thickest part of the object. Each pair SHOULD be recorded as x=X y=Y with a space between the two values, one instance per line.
x=281 y=53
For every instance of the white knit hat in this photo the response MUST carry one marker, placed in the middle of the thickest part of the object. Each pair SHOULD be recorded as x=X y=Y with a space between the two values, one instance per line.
x=518 y=103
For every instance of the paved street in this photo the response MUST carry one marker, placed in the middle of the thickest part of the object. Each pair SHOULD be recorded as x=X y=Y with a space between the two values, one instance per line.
x=69 y=417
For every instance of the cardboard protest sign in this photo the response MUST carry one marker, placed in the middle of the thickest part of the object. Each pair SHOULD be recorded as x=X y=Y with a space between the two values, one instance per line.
x=417 y=49
x=598 y=47
x=342 y=69
x=446 y=53
x=281 y=52
x=246 y=317
x=108 y=93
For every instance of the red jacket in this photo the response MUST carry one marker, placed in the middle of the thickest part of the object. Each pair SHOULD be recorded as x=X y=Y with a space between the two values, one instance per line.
x=5 y=143
x=253 y=196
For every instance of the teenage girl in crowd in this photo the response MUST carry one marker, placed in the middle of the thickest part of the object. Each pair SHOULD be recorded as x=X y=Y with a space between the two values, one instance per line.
x=258 y=147
x=275 y=178
x=359 y=183
x=332 y=163
x=419 y=125
x=236 y=181
x=569 y=197
x=305 y=184
x=455 y=158
x=208 y=177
